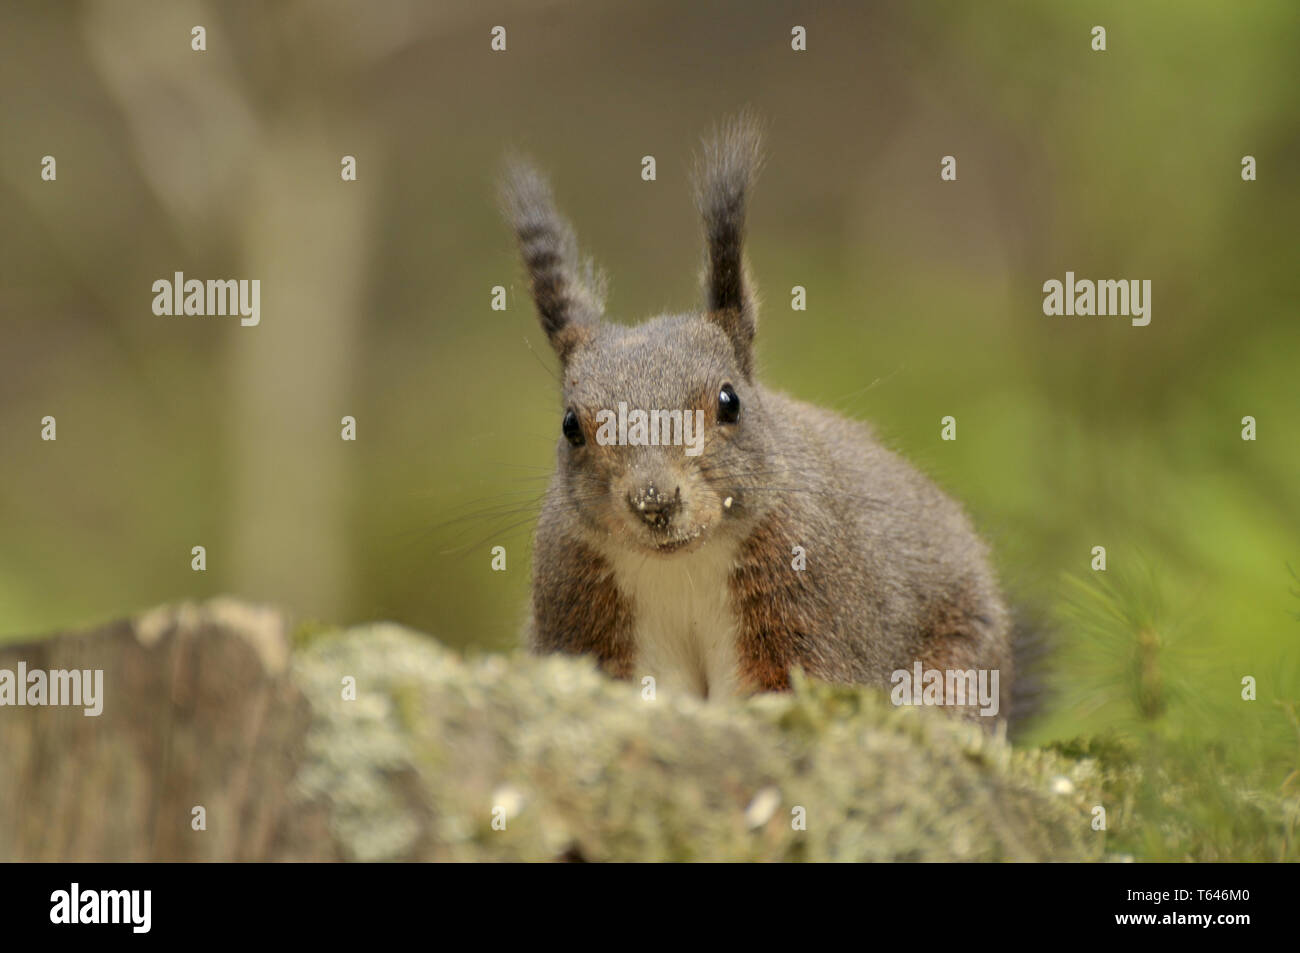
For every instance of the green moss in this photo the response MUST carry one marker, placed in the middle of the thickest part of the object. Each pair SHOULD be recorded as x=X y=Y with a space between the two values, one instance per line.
x=306 y=631
x=580 y=766
x=1111 y=751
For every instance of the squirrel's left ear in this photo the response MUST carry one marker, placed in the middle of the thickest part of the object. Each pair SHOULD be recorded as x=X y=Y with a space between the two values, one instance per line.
x=569 y=298
x=724 y=173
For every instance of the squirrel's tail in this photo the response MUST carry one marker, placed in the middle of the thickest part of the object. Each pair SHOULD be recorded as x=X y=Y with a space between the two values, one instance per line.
x=1032 y=642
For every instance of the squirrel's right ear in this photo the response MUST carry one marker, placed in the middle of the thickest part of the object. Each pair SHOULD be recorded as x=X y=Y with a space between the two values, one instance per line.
x=569 y=299
x=724 y=173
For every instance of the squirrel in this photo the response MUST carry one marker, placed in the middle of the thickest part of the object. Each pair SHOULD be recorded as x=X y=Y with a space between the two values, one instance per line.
x=687 y=567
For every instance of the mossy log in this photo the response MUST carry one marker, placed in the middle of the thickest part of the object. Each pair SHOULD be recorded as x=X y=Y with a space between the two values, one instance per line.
x=224 y=707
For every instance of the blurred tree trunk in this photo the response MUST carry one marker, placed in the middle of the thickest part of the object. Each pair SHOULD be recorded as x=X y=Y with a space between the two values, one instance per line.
x=199 y=713
x=202 y=129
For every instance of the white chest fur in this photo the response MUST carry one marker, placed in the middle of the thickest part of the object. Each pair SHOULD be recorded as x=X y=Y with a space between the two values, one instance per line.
x=685 y=627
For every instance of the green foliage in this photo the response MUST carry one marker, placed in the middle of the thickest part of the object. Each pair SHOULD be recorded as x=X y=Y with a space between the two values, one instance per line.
x=1191 y=770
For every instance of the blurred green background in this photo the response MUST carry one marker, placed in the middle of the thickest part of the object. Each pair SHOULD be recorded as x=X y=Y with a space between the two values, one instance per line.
x=924 y=299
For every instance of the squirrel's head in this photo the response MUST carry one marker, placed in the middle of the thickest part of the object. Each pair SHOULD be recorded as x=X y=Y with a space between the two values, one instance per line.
x=661 y=427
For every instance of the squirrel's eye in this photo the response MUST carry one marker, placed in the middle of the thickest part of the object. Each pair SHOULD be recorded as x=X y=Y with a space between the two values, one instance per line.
x=728 y=405
x=572 y=429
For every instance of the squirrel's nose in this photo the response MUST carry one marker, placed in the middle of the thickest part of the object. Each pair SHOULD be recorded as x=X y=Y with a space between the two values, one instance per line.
x=654 y=506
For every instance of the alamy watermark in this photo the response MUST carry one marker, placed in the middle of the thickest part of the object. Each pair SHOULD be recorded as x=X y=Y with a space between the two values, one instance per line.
x=655 y=428
x=1084 y=296
x=131 y=907
x=56 y=688
x=946 y=687
x=214 y=297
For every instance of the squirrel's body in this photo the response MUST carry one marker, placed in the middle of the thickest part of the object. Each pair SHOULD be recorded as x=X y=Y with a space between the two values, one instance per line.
x=791 y=537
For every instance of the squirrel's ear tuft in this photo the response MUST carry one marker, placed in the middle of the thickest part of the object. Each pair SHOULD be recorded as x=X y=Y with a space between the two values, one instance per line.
x=725 y=171
x=569 y=297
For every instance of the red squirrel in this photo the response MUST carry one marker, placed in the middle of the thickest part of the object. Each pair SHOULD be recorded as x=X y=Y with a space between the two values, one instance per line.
x=711 y=533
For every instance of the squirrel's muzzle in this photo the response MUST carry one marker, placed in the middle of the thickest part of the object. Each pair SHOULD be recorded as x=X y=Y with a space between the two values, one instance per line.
x=656 y=507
